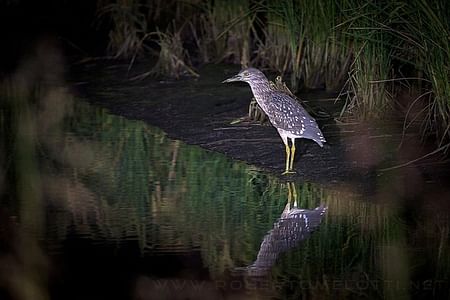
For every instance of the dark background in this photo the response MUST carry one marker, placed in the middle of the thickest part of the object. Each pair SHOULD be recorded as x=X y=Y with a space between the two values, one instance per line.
x=71 y=23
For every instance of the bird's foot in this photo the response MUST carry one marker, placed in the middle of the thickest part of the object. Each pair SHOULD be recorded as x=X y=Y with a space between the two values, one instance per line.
x=289 y=172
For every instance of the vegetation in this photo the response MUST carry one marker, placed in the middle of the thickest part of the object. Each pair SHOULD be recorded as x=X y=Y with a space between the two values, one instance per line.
x=68 y=168
x=128 y=27
x=71 y=169
x=370 y=51
x=425 y=32
x=186 y=198
x=173 y=59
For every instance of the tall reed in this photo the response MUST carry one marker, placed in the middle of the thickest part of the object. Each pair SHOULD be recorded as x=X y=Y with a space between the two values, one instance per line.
x=301 y=38
x=286 y=35
x=173 y=60
x=368 y=89
x=128 y=26
x=274 y=50
x=424 y=33
x=225 y=28
x=317 y=44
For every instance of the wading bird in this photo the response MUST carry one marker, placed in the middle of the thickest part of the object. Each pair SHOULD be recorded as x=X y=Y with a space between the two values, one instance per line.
x=287 y=115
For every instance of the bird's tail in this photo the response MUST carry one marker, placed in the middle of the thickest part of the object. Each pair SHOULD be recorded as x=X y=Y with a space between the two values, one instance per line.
x=319 y=140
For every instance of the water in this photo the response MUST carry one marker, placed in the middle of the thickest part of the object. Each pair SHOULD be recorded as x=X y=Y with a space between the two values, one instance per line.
x=96 y=206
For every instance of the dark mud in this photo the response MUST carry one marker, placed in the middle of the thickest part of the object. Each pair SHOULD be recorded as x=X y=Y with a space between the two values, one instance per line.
x=200 y=111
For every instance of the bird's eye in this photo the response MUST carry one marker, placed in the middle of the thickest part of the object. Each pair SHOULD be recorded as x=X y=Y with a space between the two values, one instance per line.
x=246 y=73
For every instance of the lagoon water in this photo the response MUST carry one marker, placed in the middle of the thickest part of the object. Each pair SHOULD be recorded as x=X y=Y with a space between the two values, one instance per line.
x=97 y=206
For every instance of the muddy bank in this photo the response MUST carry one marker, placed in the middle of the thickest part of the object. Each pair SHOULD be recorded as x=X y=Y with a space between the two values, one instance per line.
x=200 y=111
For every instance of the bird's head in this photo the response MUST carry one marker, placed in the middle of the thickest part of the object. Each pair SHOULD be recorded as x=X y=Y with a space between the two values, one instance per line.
x=248 y=75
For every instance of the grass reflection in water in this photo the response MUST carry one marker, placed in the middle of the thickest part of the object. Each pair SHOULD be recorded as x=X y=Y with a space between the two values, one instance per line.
x=117 y=183
x=179 y=197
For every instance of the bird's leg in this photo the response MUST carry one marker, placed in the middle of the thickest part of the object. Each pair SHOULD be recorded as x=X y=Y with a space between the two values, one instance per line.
x=286 y=171
x=294 y=194
x=289 y=159
x=289 y=192
x=291 y=163
x=287 y=208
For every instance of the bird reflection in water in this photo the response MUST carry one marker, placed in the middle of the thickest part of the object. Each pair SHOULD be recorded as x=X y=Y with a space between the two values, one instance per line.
x=293 y=226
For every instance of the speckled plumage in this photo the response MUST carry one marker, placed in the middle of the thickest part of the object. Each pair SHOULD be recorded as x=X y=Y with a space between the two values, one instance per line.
x=285 y=113
x=289 y=117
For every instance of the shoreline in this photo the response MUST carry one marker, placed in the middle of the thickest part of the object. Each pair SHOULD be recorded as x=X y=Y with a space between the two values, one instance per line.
x=199 y=111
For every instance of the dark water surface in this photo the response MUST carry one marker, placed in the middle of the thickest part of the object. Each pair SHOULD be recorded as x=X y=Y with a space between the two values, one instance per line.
x=96 y=206
x=126 y=212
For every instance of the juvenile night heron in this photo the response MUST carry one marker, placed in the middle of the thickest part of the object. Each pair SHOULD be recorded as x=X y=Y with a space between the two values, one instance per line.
x=287 y=115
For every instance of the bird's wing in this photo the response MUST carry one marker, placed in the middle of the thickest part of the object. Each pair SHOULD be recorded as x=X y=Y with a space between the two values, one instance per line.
x=288 y=114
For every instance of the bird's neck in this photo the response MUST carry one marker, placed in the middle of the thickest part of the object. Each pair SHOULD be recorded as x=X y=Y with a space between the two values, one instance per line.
x=261 y=92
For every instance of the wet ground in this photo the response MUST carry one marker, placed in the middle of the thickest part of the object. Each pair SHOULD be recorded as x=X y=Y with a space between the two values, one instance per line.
x=201 y=111
x=98 y=204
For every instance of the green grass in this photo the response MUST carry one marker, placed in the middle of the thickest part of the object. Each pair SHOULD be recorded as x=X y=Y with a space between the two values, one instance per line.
x=173 y=60
x=368 y=50
x=224 y=30
x=424 y=33
x=128 y=27
x=184 y=196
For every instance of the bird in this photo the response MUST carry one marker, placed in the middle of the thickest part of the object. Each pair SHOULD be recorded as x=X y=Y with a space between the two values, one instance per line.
x=286 y=114
x=294 y=226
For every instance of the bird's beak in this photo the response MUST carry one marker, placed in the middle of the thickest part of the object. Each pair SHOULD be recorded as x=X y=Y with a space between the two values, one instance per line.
x=234 y=78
